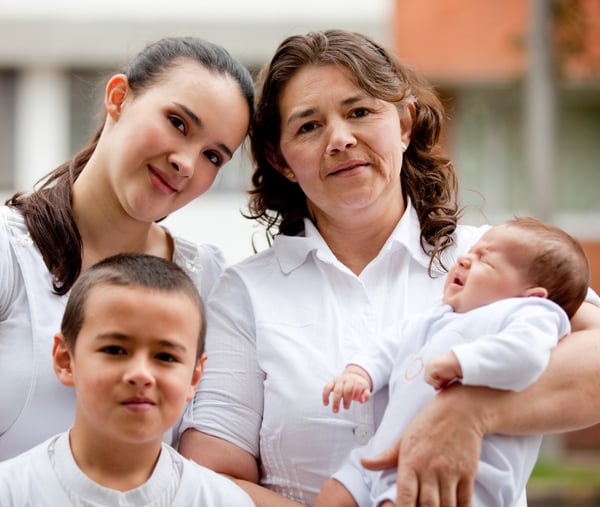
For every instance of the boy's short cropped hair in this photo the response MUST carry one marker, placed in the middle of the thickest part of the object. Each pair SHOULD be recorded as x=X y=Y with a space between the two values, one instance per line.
x=129 y=270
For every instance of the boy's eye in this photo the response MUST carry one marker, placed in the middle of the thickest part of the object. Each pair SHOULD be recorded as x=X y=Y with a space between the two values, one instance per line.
x=166 y=357
x=178 y=123
x=114 y=350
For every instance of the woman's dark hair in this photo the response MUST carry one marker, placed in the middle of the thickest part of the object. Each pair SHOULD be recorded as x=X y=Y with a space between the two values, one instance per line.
x=427 y=176
x=47 y=210
x=129 y=270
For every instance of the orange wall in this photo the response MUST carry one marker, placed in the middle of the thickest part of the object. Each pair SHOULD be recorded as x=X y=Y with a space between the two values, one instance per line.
x=475 y=40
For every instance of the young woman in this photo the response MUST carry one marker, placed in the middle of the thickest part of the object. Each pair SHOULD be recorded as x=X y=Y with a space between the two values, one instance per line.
x=174 y=117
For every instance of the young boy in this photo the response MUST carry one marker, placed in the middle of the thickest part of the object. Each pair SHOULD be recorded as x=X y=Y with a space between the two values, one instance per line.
x=131 y=344
x=505 y=305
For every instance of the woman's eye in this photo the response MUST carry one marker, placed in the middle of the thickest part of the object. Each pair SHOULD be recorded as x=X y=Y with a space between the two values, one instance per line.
x=307 y=127
x=114 y=350
x=359 y=112
x=177 y=123
x=214 y=158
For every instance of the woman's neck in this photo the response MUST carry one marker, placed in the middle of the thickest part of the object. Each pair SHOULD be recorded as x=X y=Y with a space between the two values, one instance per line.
x=357 y=239
x=106 y=229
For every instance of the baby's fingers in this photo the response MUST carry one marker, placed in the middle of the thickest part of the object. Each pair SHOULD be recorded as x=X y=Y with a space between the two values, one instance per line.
x=327 y=392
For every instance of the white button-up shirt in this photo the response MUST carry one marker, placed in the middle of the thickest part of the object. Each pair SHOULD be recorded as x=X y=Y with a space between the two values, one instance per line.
x=285 y=321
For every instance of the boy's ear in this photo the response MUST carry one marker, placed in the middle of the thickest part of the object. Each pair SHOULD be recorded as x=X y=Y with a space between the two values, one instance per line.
x=117 y=89
x=62 y=360
x=539 y=292
x=196 y=375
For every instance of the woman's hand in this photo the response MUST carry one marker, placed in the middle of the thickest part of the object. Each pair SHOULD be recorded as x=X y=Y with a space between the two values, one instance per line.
x=438 y=453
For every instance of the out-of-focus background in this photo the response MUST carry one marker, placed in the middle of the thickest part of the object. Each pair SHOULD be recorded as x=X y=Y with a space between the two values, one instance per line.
x=520 y=79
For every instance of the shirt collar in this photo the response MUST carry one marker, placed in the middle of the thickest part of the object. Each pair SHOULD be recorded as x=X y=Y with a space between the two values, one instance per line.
x=292 y=251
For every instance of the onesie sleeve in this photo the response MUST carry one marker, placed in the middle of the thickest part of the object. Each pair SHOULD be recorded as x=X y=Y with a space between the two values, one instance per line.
x=229 y=401
x=378 y=360
x=516 y=356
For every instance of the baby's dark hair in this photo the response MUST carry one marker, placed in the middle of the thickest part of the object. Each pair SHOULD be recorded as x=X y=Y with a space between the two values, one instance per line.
x=129 y=270
x=559 y=263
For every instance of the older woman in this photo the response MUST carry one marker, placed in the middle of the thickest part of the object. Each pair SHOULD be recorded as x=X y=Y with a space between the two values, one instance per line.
x=350 y=172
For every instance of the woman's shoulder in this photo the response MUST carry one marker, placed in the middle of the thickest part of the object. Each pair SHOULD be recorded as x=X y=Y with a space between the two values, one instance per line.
x=203 y=262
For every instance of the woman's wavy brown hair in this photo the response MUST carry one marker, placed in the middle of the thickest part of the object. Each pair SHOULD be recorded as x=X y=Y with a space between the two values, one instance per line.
x=427 y=176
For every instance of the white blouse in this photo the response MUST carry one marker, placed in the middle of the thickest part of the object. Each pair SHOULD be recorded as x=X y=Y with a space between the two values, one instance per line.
x=34 y=404
x=285 y=321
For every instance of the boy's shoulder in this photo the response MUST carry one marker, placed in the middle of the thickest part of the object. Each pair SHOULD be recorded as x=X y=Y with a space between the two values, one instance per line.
x=29 y=479
x=202 y=486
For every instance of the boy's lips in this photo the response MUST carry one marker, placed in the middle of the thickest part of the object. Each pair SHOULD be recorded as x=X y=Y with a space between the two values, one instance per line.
x=138 y=400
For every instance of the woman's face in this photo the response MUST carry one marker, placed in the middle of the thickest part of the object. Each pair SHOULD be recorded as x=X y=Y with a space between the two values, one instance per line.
x=342 y=145
x=168 y=142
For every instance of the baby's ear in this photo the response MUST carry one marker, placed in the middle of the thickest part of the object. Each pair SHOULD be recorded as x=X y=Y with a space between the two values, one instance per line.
x=539 y=292
x=62 y=360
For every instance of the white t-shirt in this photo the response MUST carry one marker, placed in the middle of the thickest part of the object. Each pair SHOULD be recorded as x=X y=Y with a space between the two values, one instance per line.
x=35 y=405
x=48 y=476
x=281 y=324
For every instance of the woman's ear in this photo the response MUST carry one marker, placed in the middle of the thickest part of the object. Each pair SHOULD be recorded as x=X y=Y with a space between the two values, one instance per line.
x=62 y=360
x=406 y=122
x=117 y=89
x=276 y=160
x=539 y=292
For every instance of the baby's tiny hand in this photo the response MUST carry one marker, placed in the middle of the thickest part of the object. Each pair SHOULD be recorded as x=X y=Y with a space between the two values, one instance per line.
x=347 y=387
x=442 y=370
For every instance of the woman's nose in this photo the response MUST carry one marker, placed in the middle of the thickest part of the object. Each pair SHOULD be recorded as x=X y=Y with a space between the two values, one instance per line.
x=183 y=162
x=340 y=137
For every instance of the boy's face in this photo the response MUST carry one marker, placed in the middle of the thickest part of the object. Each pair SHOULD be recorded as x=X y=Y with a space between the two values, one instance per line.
x=134 y=362
x=492 y=270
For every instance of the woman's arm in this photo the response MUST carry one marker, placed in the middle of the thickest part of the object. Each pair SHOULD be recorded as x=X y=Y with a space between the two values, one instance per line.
x=438 y=452
x=228 y=459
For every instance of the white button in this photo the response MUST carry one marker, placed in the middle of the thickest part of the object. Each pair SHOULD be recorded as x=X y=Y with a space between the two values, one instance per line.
x=362 y=433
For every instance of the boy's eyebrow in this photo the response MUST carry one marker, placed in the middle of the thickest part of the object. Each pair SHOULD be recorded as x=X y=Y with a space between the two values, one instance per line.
x=198 y=122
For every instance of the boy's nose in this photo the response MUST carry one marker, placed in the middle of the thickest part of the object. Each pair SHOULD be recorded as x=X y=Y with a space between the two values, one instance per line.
x=139 y=373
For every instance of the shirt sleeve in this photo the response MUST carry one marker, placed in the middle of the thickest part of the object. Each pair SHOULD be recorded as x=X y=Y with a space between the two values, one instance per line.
x=517 y=355
x=229 y=401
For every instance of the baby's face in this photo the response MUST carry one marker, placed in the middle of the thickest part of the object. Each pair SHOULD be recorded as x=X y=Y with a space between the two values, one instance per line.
x=492 y=270
x=134 y=362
